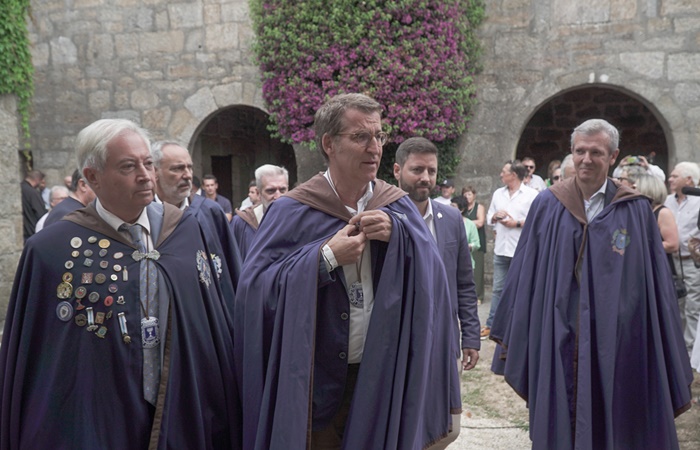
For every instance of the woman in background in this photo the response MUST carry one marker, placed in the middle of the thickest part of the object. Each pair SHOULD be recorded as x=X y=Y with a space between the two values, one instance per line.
x=477 y=214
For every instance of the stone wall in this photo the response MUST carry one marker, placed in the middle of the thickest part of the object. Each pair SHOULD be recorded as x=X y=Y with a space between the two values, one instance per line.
x=168 y=65
x=535 y=50
x=11 y=204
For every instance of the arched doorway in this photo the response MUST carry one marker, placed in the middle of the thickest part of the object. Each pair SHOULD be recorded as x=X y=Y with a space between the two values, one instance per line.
x=231 y=143
x=547 y=134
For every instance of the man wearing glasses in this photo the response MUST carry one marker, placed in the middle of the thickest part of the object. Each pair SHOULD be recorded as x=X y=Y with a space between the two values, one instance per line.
x=343 y=324
x=272 y=182
x=533 y=180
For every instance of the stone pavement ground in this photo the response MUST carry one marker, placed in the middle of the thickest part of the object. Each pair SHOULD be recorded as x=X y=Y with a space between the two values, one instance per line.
x=495 y=418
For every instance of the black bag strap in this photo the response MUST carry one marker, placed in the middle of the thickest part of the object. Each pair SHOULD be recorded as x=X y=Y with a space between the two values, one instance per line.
x=680 y=262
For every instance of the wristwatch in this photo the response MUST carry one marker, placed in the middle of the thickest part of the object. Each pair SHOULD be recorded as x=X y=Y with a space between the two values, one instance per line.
x=518 y=224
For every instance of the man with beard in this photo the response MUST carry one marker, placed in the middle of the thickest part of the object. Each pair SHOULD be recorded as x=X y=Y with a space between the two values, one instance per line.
x=116 y=336
x=416 y=169
x=588 y=323
x=173 y=168
x=343 y=326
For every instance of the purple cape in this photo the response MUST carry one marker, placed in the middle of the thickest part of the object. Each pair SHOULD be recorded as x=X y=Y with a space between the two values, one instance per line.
x=244 y=226
x=223 y=248
x=291 y=376
x=64 y=387
x=600 y=361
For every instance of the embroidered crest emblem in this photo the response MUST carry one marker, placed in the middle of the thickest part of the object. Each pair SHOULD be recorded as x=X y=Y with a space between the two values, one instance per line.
x=217 y=265
x=356 y=295
x=203 y=268
x=620 y=241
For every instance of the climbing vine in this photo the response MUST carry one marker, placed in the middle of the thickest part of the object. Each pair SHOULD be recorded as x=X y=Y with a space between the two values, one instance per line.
x=16 y=69
x=415 y=57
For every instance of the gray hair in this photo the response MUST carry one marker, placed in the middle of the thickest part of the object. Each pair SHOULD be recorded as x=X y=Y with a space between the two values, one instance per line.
x=689 y=169
x=157 y=151
x=414 y=145
x=58 y=189
x=269 y=170
x=567 y=162
x=652 y=187
x=595 y=126
x=91 y=143
x=329 y=117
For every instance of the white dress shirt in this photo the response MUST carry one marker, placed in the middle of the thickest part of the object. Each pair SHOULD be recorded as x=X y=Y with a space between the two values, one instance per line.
x=517 y=205
x=686 y=214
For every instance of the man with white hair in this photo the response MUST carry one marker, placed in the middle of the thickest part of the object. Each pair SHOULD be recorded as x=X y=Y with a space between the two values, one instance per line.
x=272 y=182
x=685 y=209
x=137 y=351
x=588 y=325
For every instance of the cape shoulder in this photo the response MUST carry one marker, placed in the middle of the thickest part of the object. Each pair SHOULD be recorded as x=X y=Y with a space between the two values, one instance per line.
x=318 y=194
x=88 y=218
x=248 y=216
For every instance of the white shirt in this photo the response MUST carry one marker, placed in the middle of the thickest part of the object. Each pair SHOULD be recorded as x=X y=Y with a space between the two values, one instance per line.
x=686 y=214
x=443 y=200
x=359 y=317
x=115 y=222
x=537 y=183
x=429 y=219
x=517 y=205
x=596 y=203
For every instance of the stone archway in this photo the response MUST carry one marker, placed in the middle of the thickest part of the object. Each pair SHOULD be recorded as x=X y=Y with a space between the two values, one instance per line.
x=547 y=133
x=231 y=143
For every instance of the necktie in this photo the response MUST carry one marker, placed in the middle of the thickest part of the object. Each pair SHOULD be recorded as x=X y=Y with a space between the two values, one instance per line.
x=148 y=288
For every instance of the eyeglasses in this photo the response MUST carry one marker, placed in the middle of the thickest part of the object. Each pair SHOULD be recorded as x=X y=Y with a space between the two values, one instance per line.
x=529 y=167
x=623 y=179
x=365 y=137
x=556 y=177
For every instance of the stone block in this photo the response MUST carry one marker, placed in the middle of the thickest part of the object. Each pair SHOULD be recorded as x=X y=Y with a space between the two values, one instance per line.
x=684 y=66
x=40 y=55
x=235 y=12
x=157 y=118
x=134 y=116
x=687 y=94
x=185 y=15
x=623 y=9
x=648 y=64
x=201 y=104
x=101 y=48
x=63 y=51
x=569 y=12
x=212 y=14
x=221 y=37
x=228 y=94
x=686 y=24
x=179 y=123
x=162 y=42
x=144 y=99
x=139 y=20
x=672 y=43
x=99 y=101
x=677 y=7
x=194 y=40
x=126 y=45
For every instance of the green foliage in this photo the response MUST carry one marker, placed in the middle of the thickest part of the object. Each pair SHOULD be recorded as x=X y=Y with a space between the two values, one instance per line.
x=16 y=69
x=416 y=57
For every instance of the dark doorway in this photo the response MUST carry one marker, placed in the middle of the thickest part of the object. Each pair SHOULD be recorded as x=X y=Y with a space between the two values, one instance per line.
x=232 y=143
x=221 y=168
x=547 y=135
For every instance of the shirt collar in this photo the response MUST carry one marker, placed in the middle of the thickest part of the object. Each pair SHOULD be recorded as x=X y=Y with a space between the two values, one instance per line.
x=115 y=222
x=362 y=202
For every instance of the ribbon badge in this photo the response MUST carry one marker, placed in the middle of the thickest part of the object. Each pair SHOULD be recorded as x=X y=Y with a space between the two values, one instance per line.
x=620 y=241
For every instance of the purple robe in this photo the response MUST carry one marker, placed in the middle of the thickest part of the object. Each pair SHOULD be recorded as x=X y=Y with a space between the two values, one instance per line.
x=291 y=330
x=590 y=328
x=63 y=386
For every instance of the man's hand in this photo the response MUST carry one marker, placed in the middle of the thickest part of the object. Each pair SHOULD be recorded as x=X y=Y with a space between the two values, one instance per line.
x=470 y=356
x=347 y=245
x=374 y=224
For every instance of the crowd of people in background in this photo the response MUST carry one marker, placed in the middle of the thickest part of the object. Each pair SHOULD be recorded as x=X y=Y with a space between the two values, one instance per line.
x=237 y=310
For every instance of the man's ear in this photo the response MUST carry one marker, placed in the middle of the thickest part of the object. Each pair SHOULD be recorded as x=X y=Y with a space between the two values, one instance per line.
x=90 y=176
x=327 y=144
x=397 y=171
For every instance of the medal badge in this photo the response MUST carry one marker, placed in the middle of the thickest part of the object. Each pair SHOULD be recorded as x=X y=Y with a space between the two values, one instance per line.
x=149 y=332
x=356 y=296
x=203 y=268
